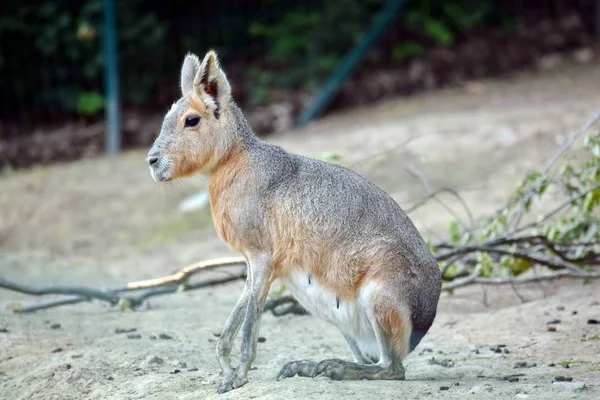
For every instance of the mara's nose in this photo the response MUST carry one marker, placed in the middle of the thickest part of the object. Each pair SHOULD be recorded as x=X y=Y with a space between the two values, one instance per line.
x=152 y=159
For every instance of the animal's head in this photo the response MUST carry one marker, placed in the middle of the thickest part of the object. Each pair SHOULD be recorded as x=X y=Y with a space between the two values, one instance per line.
x=196 y=132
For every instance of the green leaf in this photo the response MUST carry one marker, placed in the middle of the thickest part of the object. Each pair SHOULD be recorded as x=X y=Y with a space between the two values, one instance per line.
x=330 y=156
x=89 y=103
x=454 y=230
x=406 y=50
x=438 y=31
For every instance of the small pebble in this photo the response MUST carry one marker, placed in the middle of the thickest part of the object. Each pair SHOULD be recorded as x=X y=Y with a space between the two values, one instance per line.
x=574 y=313
x=175 y=371
x=57 y=350
x=553 y=322
x=193 y=369
x=594 y=303
x=551 y=329
x=152 y=337
x=593 y=322
x=524 y=364
x=77 y=356
x=164 y=336
x=561 y=378
x=444 y=363
x=551 y=365
x=560 y=308
x=566 y=365
x=456 y=383
x=261 y=339
x=134 y=336
x=476 y=351
x=505 y=351
x=110 y=378
x=123 y=330
x=3 y=330
x=217 y=334
x=513 y=379
x=444 y=387
x=68 y=366
x=55 y=326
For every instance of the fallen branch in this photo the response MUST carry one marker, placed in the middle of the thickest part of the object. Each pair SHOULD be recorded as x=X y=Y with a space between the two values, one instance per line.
x=185 y=273
x=159 y=286
x=472 y=279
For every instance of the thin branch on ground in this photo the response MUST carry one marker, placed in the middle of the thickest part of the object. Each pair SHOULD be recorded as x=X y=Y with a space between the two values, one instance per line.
x=380 y=153
x=468 y=225
x=83 y=291
x=113 y=295
x=516 y=219
x=556 y=210
x=518 y=280
x=569 y=142
x=185 y=273
x=284 y=305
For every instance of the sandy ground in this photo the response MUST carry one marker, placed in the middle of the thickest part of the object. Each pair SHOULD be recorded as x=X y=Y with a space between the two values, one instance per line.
x=103 y=221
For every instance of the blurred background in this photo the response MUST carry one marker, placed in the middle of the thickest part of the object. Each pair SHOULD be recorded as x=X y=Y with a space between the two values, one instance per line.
x=61 y=60
x=469 y=99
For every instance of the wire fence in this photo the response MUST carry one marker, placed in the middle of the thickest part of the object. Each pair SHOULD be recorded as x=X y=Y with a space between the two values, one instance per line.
x=52 y=59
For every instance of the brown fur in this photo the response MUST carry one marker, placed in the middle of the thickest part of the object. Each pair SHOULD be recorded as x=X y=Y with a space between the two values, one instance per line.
x=223 y=176
x=290 y=242
x=396 y=327
x=186 y=161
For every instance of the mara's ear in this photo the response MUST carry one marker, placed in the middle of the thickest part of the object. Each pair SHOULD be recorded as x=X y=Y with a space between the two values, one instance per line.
x=189 y=69
x=211 y=84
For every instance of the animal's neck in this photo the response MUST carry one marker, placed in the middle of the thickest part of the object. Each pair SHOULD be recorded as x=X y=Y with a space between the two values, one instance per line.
x=234 y=162
x=240 y=128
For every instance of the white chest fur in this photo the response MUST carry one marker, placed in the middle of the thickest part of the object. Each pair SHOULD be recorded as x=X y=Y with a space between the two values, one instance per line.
x=350 y=317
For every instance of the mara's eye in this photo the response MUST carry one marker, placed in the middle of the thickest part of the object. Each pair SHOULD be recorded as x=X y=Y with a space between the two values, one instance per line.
x=192 y=120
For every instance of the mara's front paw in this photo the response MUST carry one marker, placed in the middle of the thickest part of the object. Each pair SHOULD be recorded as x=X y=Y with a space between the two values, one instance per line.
x=232 y=382
x=300 y=368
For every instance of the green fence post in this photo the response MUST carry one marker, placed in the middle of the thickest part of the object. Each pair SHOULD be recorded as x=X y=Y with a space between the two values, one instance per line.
x=597 y=18
x=111 y=80
x=345 y=67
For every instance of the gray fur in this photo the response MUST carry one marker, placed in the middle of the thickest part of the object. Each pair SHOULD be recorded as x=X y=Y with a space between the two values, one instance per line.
x=190 y=67
x=343 y=211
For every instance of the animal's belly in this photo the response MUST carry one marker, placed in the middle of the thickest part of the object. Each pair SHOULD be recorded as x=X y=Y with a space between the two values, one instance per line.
x=349 y=316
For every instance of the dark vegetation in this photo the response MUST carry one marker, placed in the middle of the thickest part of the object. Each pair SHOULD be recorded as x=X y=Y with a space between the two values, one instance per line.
x=277 y=53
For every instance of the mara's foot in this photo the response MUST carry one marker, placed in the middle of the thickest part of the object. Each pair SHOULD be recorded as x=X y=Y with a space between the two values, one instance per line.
x=300 y=368
x=231 y=382
x=341 y=370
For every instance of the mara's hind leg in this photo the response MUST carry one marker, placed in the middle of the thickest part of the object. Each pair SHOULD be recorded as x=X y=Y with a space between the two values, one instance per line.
x=392 y=330
x=359 y=356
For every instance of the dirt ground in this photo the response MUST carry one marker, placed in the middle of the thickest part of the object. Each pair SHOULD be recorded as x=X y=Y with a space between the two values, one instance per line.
x=103 y=221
